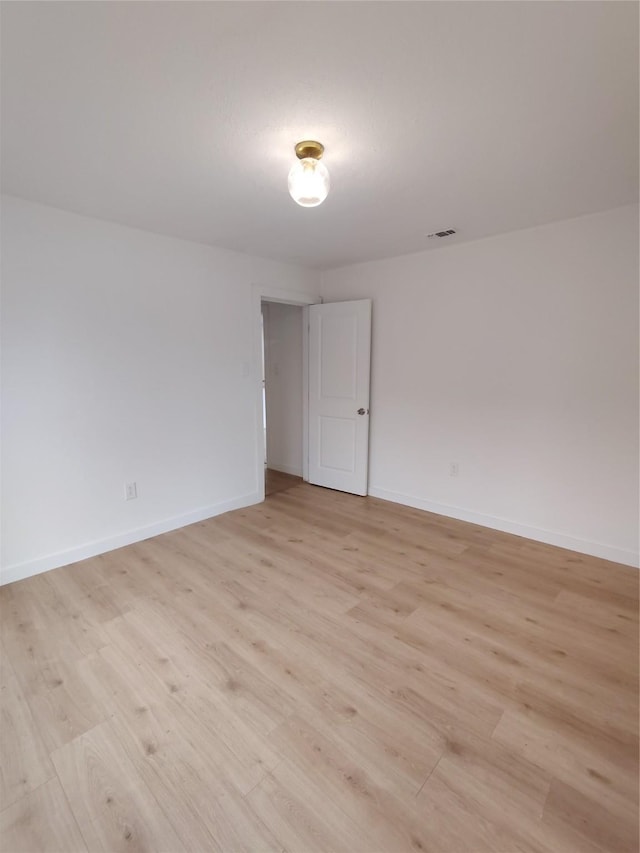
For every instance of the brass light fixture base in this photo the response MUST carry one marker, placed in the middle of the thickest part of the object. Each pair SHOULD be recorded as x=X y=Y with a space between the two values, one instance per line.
x=309 y=148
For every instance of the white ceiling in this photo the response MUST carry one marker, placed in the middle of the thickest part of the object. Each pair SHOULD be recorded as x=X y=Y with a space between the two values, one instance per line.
x=181 y=117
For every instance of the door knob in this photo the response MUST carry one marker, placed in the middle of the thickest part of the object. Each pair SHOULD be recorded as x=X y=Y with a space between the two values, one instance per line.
x=363 y=411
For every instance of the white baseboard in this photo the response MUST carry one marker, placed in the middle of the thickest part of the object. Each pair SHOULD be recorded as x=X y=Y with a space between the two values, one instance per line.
x=549 y=537
x=19 y=571
x=286 y=469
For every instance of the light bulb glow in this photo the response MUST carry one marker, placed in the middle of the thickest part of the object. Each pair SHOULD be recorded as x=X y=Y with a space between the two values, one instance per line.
x=309 y=182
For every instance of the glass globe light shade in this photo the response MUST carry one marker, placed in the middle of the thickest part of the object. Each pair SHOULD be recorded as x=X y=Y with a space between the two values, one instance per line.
x=309 y=182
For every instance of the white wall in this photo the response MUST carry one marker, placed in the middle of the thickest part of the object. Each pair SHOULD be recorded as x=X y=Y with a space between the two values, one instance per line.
x=517 y=358
x=283 y=352
x=125 y=357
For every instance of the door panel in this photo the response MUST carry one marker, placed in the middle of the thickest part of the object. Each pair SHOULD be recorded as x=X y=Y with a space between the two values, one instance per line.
x=337 y=444
x=339 y=363
x=339 y=357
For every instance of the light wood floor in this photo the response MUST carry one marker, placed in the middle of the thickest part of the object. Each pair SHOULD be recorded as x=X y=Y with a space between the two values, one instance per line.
x=322 y=673
x=278 y=481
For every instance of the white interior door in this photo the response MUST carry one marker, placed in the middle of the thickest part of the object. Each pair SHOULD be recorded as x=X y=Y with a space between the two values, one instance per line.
x=339 y=364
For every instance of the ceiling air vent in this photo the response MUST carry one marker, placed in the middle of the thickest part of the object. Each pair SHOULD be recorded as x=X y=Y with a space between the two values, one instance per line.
x=446 y=233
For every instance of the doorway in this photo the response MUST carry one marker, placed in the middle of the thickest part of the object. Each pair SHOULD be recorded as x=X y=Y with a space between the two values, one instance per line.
x=266 y=295
x=283 y=401
x=335 y=362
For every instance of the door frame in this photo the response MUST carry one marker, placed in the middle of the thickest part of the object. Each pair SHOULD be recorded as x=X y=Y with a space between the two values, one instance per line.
x=267 y=293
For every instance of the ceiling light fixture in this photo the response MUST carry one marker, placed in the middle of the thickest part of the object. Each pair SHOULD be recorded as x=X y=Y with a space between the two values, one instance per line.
x=309 y=178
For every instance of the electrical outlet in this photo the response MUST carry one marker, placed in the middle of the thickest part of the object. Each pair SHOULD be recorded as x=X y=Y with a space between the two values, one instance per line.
x=130 y=491
x=454 y=470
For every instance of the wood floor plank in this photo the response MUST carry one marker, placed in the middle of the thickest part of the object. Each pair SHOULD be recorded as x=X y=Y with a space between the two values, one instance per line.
x=192 y=785
x=114 y=808
x=572 y=603
x=286 y=803
x=6 y=669
x=465 y=814
x=323 y=672
x=24 y=761
x=590 y=819
x=386 y=821
x=390 y=735
x=576 y=762
x=481 y=769
x=65 y=711
x=41 y=822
